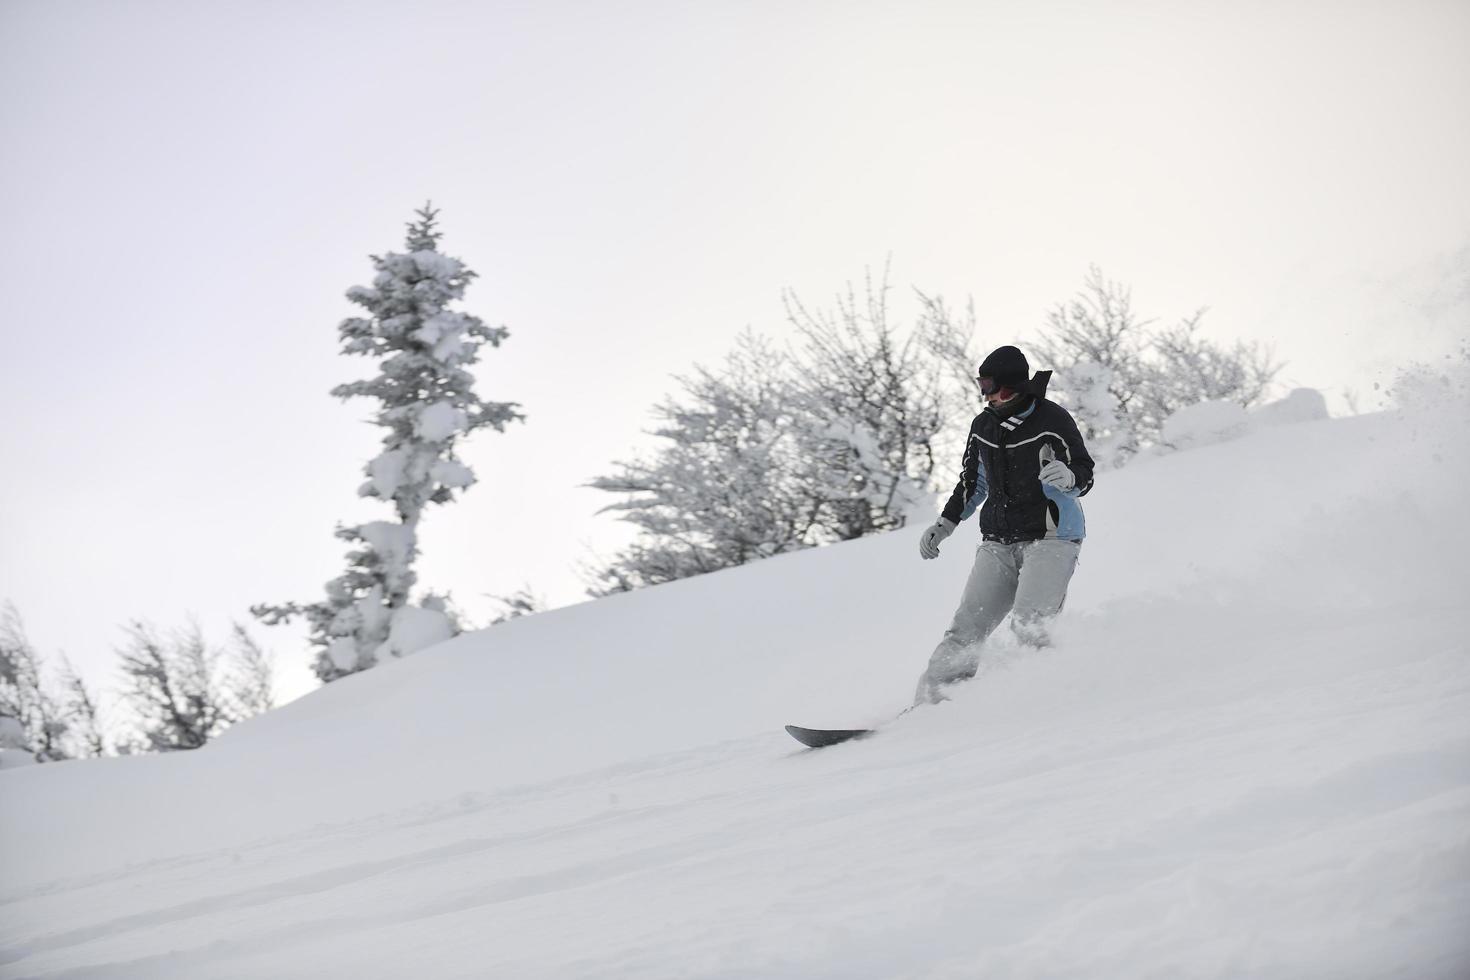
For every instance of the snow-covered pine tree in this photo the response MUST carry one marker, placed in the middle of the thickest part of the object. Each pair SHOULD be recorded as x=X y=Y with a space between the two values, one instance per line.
x=426 y=403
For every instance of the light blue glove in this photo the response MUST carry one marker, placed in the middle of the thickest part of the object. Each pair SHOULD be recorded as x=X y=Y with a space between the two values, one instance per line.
x=933 y=534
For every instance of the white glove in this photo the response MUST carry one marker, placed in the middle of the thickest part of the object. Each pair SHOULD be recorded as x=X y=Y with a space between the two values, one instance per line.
x=1056 y=474
x=933 y=534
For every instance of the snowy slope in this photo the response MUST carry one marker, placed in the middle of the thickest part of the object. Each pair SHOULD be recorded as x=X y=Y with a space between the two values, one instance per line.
x=1247 y=754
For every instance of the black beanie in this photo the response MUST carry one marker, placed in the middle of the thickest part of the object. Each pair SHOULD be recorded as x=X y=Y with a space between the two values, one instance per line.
x=1007 y=365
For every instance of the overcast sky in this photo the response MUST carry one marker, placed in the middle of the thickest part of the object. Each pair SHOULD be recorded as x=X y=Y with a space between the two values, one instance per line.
x=188 y=188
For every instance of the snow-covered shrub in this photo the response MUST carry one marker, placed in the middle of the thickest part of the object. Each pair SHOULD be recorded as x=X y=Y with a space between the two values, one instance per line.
x=32 y=720
x=182 y=691
x=1089 y=394
x=522 y=602
x=173 y=689
x=726 y=484
x=876 y=401
x=251 y=677
x=779 y=450
x=82 y=714
x=426 y=402
x=1121 y=379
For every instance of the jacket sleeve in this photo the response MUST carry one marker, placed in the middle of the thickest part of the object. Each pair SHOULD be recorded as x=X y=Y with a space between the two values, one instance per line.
x=1080 y=462
x=972 y=488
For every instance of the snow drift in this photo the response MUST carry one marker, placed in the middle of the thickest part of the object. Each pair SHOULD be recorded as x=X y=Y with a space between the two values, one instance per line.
x=1246 y=754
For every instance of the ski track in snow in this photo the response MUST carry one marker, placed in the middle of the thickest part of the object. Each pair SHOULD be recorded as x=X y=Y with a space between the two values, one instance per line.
x=1245 y=777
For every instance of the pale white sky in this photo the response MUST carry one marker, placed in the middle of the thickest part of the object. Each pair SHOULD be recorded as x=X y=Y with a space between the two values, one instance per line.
x=186 y=190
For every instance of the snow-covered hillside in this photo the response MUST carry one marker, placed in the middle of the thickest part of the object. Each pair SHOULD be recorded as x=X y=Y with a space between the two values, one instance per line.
x=1246 y=755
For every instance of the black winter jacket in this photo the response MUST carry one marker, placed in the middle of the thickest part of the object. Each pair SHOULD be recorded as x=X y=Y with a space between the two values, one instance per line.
x=1002 y=464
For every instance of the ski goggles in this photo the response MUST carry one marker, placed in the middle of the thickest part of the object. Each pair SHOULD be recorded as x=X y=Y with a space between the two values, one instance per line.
x=987 y=386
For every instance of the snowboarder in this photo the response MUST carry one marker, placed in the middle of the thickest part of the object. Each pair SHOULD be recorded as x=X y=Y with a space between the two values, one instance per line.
x=1026 y=461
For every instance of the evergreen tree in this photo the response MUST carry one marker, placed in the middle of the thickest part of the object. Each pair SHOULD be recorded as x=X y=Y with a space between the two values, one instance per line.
x=426 y=403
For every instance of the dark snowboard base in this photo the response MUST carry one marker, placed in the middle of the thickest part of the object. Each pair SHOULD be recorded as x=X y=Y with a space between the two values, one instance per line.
x=816 y=738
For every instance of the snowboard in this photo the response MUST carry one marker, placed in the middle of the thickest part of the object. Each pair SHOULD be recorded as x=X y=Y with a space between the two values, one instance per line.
x=816 y=738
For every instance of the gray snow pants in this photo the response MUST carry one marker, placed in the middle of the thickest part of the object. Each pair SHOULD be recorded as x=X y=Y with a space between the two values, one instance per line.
x=1027 y=579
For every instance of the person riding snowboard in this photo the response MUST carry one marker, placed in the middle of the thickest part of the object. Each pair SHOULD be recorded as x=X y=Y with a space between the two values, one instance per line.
x=1026 y=461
